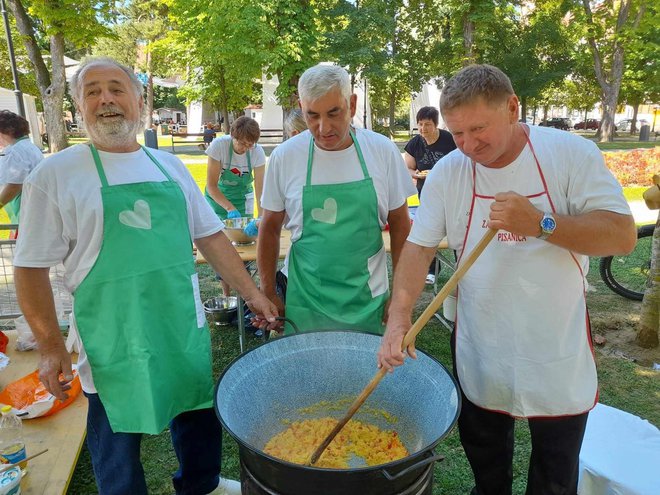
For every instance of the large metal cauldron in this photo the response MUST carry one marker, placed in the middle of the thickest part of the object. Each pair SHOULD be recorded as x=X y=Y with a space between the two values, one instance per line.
x=273 y=382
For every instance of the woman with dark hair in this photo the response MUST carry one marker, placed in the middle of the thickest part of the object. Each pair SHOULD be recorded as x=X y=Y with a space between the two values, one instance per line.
x=19 y=157
x=423 y=151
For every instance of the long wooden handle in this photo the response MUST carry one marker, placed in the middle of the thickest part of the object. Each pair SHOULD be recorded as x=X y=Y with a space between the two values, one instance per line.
x=407 y=340
x=9 y=466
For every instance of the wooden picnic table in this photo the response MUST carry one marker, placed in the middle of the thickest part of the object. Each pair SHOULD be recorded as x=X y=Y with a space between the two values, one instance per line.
x=248 y=253
x=62 y=433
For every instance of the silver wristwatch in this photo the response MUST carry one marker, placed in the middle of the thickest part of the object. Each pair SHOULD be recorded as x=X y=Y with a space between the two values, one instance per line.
x=548 y=225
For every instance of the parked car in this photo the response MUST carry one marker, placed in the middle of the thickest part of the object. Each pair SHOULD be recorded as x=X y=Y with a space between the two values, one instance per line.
x=624 y=125
x=592 y=124
x=557 y=122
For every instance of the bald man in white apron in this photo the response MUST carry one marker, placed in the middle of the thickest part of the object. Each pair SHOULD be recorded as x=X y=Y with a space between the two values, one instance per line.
x=522 y=345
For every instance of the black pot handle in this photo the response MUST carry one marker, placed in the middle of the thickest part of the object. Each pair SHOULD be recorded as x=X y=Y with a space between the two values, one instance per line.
x=295 y=327
x=422 y=463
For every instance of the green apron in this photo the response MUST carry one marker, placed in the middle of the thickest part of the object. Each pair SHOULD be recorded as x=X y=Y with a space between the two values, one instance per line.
x=337 y=268
x=234 y=187
x=13 y=207
x=138 y=312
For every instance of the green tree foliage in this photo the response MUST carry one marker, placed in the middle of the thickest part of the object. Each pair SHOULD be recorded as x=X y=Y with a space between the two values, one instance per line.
x=218 y=44
x=534 y=50
x=292 y=35
x=641 y=76
x=608 y=28
x=228 y=44
x=394 y=44
x=580 y=88
x=138 y=39
x=44 y=25
x=26 y=79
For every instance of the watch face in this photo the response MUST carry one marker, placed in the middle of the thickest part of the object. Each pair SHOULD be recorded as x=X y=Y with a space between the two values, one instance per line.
x=548 y=224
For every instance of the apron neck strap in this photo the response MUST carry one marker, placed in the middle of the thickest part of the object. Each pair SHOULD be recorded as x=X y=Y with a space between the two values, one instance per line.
x=231 y=154
x=101 y=172
x=99 y=166
x=160 y=167
x=310 y=157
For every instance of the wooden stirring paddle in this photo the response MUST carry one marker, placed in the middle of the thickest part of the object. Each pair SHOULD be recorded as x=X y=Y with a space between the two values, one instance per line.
x=410 y=336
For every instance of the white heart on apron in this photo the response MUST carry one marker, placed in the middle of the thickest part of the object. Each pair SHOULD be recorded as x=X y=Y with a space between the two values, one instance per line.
x=327 y=214
x=139 y=217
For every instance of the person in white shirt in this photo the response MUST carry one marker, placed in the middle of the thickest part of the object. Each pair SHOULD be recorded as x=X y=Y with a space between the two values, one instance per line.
x=19 y=157
x=122 y=219
x=522 y=344
x=335 y=188
x=235 y=170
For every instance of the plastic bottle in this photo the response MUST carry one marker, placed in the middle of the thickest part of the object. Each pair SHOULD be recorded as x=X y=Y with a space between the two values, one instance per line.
x=12 y=445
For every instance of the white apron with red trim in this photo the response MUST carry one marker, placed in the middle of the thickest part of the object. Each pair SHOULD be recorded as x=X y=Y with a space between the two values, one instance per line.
x=522 y=335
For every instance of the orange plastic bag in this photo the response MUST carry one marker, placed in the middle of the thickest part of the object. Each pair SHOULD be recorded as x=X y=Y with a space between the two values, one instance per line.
x=31 y=399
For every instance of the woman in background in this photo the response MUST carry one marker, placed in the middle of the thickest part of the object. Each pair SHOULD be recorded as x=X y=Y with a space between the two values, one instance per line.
x=423 y=151
x=19 y=158
x=235 y=170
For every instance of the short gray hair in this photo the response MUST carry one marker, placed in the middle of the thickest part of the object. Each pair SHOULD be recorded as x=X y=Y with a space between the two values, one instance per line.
x=294 y=122
x=321 y=79
x=474 y=82
x=75 y=85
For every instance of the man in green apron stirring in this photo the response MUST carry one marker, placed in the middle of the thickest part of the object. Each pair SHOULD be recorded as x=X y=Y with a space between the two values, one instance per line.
x=522 y=344
x=122 y=220
x=334 y=187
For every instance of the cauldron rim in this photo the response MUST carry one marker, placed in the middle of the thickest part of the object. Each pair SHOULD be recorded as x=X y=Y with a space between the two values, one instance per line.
x=407 y=459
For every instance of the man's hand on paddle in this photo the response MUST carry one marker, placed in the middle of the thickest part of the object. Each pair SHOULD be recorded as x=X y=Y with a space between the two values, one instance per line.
x=389 y=354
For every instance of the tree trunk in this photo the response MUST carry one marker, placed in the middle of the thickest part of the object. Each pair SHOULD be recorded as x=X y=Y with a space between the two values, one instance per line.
x=609 y=81
x=51 y=90
x=468 y=38
x=391 y=113
x=633 y=124
x=223 y=97
x=649 y=320
x=150 y=91
x=523 y=109
x=609 y=104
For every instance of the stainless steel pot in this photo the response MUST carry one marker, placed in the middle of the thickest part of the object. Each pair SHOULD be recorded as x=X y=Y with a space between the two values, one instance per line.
x=221 y=310
x=303 y=370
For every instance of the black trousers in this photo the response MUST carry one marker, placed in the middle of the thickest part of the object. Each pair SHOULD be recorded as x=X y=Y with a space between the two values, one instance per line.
x=487 y=438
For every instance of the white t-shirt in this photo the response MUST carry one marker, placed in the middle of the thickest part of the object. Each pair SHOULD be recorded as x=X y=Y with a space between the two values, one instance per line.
x=18 y=161
x=287 y=172
x=63 y=198
x=219 y=150
x=577 y=179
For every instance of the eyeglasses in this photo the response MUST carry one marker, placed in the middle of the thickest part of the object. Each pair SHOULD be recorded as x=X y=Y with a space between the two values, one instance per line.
x=245 y=144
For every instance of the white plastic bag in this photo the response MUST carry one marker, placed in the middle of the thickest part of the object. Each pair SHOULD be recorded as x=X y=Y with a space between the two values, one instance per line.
x=25 y=340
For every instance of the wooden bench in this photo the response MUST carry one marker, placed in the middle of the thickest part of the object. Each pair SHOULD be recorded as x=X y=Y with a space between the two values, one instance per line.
x=181 y=137
x=272 y=133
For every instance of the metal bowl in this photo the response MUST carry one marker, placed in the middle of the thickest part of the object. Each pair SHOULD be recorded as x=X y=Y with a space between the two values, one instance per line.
x=221 y=310
x=234 y=230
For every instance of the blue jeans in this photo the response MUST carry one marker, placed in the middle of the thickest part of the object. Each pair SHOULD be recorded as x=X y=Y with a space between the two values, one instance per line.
x=197 y=441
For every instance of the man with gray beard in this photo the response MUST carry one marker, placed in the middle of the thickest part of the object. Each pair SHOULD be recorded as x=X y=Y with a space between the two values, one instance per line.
x=122 y=220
